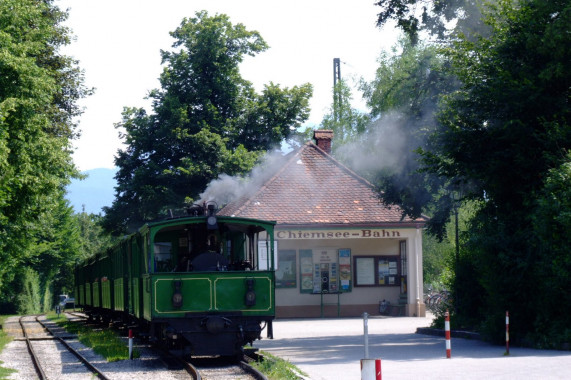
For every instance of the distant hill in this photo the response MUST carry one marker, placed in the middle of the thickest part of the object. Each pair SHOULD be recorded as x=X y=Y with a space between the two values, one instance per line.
x=94 y=192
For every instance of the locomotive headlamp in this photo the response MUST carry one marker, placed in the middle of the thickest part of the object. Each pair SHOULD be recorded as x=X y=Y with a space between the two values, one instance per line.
x=211 y=208
x=250 y=297
x=177 y=295
x=211 y=223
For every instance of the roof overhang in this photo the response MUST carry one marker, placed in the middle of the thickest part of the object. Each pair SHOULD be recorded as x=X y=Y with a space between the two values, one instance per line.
x=412 y=224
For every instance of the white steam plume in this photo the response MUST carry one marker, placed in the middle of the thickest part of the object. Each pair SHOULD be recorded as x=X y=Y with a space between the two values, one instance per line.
x=228 y=188
x=384 y=146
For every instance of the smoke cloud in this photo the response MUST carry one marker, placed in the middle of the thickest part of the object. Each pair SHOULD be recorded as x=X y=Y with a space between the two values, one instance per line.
x=383 y=146
x=229 y=188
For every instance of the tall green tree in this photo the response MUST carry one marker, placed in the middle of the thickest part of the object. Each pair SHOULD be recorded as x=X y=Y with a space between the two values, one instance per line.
x=39 y=89
x=437 y=18
x=551 y=223
x=92 y=237
x=56 y=248
x=404 y=98
x=502 y=131
x=206 y=120
x=346 y=122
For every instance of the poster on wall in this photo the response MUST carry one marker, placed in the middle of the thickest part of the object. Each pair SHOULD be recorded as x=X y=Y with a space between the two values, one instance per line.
x=325 y=270
x=263 y=262
x=306 y=270
x=286 y=274
x=316 y=278
x=333 y=277
x=383 y=271
x=345 y=269
x=393 y=270
x=365 y=270
x=376 y=271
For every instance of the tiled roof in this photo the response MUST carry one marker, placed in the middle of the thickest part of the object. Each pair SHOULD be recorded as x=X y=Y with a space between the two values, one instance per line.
x=312 y=188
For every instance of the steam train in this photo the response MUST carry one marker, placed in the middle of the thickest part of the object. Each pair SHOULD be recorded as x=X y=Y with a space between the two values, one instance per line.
x=202 y=283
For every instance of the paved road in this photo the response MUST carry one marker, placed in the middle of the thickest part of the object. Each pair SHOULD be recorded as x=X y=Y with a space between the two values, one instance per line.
x=331 y=349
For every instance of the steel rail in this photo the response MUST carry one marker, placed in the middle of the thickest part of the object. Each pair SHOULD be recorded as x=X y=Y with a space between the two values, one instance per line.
x=173 y=361
x=251 y=370
x=81 y=358
x=192 y=370
x=35 y=360
x=242 y=363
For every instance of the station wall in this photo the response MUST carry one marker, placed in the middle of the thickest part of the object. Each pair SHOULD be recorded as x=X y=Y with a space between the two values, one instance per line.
x=345 y=272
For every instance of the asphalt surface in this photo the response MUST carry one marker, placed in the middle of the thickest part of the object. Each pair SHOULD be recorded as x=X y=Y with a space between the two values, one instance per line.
x=332 y=349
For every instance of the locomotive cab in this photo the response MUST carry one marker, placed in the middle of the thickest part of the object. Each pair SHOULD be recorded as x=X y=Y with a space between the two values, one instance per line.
x=195 y=247
x=210 y=283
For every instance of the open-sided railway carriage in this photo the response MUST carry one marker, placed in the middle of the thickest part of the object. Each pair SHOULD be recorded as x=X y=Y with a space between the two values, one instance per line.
x=202 y=282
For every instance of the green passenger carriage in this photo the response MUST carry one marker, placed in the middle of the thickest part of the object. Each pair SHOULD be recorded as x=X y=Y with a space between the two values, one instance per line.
x=202 y=282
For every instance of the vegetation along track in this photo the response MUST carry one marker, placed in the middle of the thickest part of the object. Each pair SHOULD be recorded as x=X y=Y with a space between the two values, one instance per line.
x=52 y=356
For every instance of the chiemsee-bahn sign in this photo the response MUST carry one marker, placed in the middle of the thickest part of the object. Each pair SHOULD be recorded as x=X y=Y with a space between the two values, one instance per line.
x=364 y=233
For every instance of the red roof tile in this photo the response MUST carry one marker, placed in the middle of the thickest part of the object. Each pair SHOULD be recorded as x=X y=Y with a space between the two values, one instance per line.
x=312 y=188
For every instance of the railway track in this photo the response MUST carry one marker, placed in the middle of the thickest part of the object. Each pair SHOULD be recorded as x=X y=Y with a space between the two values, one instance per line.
x=206 y=368
x=213 y=368
x=221 y=369
x=52 y=356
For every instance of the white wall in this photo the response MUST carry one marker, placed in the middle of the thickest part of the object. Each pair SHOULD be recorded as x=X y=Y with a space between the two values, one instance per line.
x=361 y=247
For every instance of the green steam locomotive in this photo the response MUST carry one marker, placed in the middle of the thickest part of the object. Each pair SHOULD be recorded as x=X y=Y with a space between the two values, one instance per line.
x=201 y=283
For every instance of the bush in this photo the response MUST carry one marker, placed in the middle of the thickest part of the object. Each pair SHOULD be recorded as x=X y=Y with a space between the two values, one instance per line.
x=29 y=299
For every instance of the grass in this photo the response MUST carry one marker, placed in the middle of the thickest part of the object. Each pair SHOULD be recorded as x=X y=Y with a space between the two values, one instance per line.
x=105 y=342
x=278 y=369
x=4 y=340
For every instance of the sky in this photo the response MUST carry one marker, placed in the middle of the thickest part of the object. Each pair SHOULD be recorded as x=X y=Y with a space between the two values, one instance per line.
x=118 y=45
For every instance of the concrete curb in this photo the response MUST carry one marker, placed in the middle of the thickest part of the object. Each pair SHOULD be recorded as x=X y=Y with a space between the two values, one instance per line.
x=453 y=333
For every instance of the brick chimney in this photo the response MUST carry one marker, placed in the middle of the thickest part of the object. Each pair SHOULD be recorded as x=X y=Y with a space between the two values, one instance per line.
x=323 y=139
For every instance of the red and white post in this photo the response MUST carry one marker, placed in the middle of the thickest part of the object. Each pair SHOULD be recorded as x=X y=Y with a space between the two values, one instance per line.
x=447 y=334
x=507 y=333
x=130 y=344
x=371 y=369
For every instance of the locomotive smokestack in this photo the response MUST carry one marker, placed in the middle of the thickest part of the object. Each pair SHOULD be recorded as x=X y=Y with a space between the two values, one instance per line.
x=323 y=139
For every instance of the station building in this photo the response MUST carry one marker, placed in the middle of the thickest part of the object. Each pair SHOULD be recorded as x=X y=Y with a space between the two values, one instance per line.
x=340 y=251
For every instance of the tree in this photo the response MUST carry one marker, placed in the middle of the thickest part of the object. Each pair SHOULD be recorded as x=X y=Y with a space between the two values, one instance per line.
x=92 y=237
x=502 y=132
x=206 y=120
x=430 y=16
x=404 y=99
x=551 y=221
x=39 y=89
x=346 y=122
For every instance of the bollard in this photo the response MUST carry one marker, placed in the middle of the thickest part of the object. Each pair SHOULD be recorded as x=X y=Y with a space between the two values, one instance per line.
x=507 y=333
x=366 y=334
x=130 y=344
x=447 y=334
x=371 y=369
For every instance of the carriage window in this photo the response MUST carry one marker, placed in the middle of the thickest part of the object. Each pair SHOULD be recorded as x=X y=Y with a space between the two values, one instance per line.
x=162 y=256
